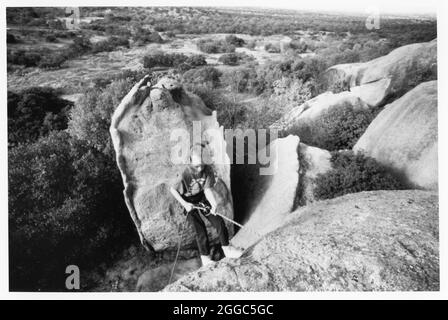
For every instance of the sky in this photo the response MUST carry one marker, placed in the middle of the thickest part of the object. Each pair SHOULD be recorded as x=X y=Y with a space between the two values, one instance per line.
x=350 y=6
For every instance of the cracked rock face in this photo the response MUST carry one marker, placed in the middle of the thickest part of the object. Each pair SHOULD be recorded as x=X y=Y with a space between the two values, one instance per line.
x=368 y=241
x=404 y=136
x=295 y=167
x=141 y=134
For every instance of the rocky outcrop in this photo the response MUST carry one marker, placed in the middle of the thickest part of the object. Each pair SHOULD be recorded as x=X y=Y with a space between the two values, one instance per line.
x=368 y=241
x=367 y=85
x=141 y=130
x=313 y=161
x=278 y=193
x=404 y=136
x=294 y=167
x=375 y=80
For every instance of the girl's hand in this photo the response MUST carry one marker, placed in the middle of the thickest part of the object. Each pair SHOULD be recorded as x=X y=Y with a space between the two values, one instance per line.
x=213 y=211
x=188 y=206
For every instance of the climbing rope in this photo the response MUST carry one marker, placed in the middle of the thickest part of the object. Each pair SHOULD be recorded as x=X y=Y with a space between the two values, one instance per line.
x=178 y=248
x=203 y=207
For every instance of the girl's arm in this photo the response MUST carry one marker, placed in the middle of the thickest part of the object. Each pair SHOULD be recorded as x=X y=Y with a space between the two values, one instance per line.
x=188 y=206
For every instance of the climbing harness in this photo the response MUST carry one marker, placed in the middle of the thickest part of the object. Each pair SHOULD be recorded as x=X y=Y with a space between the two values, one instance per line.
x=206 y=211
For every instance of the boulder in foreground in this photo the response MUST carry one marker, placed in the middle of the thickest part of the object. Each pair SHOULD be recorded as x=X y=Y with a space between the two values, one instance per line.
x=368 y=241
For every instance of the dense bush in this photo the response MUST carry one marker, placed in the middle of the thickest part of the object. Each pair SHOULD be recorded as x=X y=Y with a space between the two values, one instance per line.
x=51 y=38
x=176 y=60
x=24 y=58
x=34 y=112
x=65 y=197
x=132 y=76
x=352 y=173
x=272 y=48
x=110 y=44
x=162 y=59
x=235 y=41
x=231 y=114
x=240 y=79
x=80 y=46
x=52 y=60
x=215 y=46
x=65 y=208
x=230 y=59
x=10 y=38
x=89 y=119
x=193 y=61
x=143 y=36
x=235 y=58
x=335 y=129
x=205 y=76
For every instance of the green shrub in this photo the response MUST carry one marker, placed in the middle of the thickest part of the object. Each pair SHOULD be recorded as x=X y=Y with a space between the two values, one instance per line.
x=65 y=207
x=215 y=46
x=272 y=48
x=205 y=76
x=352 y=173
x=129 y=75
x=235 y=58
x=335 y=129
x=10 y=38
x=110 y=44
x=230 y=59
x=235 y=41
x=143 y=36
x=231 y=114
x=89 y=119
x=193 y=61
x=240 y=79
x=34 y=112
x=80 y=45
x=24 y=58
x=51 y=38
x=176 y=60
x=162 y=59
x=52 y=61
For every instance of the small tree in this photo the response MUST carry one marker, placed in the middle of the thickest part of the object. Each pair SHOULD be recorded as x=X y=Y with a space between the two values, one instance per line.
x=352 y=173
x=89 y=119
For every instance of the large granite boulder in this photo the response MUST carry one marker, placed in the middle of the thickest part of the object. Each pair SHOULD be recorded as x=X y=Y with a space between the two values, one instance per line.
x=376 y=80
x=141 y=130
x=404 y=136
x=289 y=183
x=367 y=85
x=368 y=241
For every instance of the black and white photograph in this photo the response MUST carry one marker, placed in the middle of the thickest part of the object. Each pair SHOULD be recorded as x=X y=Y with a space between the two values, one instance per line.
x=226 y=147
